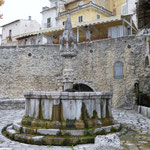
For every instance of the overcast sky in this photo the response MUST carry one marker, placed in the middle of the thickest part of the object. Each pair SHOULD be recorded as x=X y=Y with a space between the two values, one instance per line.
x=21 y=9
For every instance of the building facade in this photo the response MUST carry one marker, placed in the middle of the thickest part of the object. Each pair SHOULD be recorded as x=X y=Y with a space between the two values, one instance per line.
x=91 y=20
x=14 y=29
x=0 y=39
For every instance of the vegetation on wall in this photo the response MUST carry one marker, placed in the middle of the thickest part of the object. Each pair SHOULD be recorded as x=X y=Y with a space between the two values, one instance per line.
x=1 y=3
x=143 y=13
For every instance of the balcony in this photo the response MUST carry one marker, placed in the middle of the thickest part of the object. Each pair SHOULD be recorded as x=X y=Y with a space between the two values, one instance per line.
x=90 y=4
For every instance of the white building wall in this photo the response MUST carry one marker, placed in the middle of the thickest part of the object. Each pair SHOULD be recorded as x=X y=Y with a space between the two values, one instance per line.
x=27 y=26
x=132 y=8
x=14 y=27
x=50 y=13
x=0 y=39
x=18 y=28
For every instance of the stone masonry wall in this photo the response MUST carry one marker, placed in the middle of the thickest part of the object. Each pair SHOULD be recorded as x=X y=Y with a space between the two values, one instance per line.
x=36 y=68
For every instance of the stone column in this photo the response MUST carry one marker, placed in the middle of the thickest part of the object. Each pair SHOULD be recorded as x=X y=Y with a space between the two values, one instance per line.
x=68 y=51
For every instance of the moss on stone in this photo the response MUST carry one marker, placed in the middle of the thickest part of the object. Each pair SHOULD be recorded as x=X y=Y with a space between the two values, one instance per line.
x=94 y=115
x=40 y=115
x=115 y=130
x=27 y=120
x=79 y=124
x=67 y=134
x=102 y=132
x=107 y=121
x=84 y=115
x=70 y=124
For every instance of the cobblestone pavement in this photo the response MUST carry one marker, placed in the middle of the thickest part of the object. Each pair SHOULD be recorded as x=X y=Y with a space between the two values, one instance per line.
x=136 y=135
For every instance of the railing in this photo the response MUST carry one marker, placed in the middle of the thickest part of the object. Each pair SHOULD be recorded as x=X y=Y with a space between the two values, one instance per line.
x=84 y=6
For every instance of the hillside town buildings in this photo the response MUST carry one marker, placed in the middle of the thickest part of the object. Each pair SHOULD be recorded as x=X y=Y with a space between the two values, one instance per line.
x=91 y=19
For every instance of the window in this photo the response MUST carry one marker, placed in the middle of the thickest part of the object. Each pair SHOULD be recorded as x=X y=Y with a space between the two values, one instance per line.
x=124 y=9
x=63 y=23
x=80 y=19
x=9 y=38
x=118 y=70
x=98 y=16
x=80 y=3
x=146 y=62
x=10 y=33
x=48 y=22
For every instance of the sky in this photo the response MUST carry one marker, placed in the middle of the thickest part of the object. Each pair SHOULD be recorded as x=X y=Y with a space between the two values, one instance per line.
x=21 y=9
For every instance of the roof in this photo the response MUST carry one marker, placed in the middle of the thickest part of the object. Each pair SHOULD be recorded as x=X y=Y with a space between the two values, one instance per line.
x=47 y=9
x=11 y=23
x=67 y=3
x=60 y=28
x=17 y=21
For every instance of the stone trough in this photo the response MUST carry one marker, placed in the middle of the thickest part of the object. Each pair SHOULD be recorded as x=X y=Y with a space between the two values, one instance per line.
x=63 y=118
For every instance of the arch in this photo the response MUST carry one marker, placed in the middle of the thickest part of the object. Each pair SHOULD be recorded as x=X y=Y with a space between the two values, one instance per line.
x=118 y=70
x=80 y=87
x=146 y=61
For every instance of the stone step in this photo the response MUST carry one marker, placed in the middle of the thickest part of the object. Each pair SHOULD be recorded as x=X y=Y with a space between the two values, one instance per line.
x=63 y=132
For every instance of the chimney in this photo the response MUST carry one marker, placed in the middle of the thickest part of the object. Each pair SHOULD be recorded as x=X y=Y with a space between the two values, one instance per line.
x=44 y=8
x=30 y=18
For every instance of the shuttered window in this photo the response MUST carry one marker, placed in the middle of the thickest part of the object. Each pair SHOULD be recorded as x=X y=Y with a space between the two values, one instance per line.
x=124 y=9
x=80 y=19
x=118 y=70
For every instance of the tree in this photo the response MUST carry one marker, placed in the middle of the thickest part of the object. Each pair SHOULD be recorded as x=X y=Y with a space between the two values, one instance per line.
x=1 y=3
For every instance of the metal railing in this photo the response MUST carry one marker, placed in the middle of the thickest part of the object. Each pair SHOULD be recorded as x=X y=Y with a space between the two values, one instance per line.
x=84 y=6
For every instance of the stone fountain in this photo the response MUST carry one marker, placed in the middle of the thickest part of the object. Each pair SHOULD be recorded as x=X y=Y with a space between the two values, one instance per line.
x=64 y=117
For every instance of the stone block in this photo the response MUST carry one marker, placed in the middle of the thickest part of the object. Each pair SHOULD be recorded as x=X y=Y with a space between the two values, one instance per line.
x=73 y=132
x=55 y=95
x=148 y=112
x=111 y=140
x=10 y=127
x=11 y=131
x=97 y=130
x=48 y=131
x=139 y=109
x=37 y=140
x=144 y=110
x=17 y=126
x=116 y=126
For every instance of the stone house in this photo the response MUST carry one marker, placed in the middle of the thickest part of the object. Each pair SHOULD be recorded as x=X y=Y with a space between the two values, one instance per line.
x=14 y=29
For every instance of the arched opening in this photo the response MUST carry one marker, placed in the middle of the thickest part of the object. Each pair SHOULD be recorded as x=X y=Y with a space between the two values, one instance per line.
x=146 y=62
x=82 y=88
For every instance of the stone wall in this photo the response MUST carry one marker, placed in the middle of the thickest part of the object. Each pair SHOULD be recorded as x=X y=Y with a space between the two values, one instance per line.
x=37 y=68
x=143 y=13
